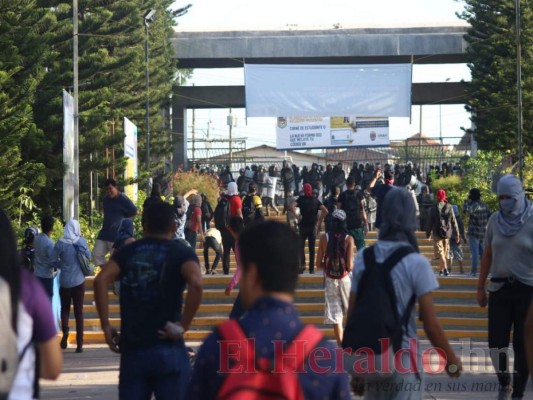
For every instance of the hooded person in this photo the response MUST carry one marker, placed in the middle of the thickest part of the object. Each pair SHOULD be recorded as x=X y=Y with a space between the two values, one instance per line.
x=413 y=280
x=309 y=225
x=71 y=279
x=233 y=189
x=507 y=257
x=515 y=207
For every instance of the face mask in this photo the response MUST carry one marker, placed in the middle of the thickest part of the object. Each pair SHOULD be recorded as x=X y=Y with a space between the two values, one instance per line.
x=507 y=205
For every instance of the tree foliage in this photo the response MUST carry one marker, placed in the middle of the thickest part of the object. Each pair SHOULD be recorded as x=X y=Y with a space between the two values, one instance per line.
x=22 y=55
x=111 y=86
x=491 y=57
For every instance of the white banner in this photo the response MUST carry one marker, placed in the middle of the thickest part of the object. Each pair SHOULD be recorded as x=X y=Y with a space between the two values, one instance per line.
x=318 y=90
x=295 y=133
x=69 y=179
x=130 y=152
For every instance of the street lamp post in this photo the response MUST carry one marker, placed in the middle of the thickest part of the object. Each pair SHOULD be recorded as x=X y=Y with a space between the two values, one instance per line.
x=148 y=18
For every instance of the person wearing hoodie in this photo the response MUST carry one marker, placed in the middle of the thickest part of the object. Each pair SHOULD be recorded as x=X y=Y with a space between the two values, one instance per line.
x=507 y=257
x=71 y=279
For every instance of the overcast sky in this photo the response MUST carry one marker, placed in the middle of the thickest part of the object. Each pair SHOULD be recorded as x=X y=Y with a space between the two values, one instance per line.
x=297 y=14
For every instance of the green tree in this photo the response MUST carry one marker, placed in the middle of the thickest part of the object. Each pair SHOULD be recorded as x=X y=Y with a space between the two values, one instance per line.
x=23 y=25
x=491 y=57
x=111 y=86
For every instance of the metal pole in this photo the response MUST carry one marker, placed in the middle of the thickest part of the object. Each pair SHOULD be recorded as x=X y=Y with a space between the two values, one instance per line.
x=519 y=92
x=76 y=112
x=147 y=112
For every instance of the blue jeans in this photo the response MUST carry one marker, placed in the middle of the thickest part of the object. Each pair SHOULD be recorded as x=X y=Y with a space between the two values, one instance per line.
x=162 y=370
x=476 y=249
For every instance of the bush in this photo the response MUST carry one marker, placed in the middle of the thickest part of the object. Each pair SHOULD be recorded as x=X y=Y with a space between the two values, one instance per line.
x=182 y=182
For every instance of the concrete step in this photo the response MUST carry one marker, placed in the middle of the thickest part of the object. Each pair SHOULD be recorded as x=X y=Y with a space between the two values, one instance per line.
x=199 y=335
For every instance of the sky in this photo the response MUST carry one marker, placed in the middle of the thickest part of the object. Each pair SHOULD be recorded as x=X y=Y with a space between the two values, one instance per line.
x=217 y=15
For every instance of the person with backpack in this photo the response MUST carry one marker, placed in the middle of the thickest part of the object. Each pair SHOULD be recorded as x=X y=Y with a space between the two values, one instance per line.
x=270 y=262
x=310 y=224
x=442 y=225
x=252 y=207
x=229 y=205
x=71 y=280
x=335 y=257
x=351 y=201
x=379 y=190
x=389 y=278
x=27 y=325
x=155 y=196
x=193 y=223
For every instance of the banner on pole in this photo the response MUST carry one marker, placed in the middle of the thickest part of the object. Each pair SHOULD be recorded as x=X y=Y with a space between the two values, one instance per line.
x=68 y=156
x=293 y=133
x=130 y=152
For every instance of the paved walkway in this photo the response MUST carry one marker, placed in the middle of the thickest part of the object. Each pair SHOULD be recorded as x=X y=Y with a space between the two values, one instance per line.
x=93 y=374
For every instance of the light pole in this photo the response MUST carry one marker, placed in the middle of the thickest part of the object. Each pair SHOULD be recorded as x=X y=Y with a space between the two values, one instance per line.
x=149 y=17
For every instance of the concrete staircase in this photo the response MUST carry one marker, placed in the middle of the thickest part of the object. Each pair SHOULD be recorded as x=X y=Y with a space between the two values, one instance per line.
x=455 y=301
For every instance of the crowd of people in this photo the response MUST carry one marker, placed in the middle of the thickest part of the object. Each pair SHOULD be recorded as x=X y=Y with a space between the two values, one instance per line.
x=370 y=292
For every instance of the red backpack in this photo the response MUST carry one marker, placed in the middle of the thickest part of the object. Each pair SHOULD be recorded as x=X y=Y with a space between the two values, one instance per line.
x=263 y=378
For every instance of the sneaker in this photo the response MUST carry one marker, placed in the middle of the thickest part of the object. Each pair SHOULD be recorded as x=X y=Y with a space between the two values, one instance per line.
x=441 y=273
x=213 y=272
x=446 y=273
x=472 y=274
x=79 y=349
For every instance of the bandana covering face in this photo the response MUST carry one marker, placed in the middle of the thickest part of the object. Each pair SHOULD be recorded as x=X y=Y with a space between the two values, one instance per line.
x=441 y=196
x=514 y=212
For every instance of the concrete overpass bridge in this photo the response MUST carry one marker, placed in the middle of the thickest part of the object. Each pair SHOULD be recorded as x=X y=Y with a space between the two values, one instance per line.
x=231 y=49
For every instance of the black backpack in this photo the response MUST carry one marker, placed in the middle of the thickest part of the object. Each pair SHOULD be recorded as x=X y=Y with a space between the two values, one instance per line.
x=445 y=227
x=207 y=211
x=222 y=214
x=248 y=207
x=376 y=315
x=352 y=207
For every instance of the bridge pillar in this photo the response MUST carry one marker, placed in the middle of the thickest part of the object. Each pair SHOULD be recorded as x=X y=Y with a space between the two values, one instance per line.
x=179 y=137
